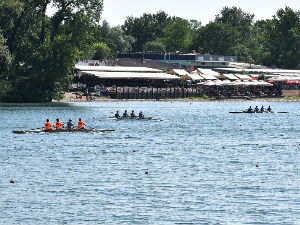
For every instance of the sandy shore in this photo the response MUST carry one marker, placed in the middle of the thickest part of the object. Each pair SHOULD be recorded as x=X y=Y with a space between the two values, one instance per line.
x=70 y=97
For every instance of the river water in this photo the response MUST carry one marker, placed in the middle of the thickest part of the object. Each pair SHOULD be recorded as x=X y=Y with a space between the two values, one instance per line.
x=205 y=166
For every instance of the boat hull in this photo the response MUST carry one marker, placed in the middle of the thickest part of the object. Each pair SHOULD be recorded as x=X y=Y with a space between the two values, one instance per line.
x=256 y=112
x=62 y=131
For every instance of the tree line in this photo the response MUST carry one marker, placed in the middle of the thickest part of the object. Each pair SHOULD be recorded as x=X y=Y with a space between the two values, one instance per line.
x=38 y=52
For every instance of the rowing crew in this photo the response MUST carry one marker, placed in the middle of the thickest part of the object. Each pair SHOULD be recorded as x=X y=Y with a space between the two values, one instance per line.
x=59 y=124
x=262 y=109
x=132 y=115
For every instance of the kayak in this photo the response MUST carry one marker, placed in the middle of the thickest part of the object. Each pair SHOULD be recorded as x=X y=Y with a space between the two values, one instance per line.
x=62 y=131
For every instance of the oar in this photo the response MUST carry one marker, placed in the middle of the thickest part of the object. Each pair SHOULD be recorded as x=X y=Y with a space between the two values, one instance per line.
x=37 y=128
x=90 y=127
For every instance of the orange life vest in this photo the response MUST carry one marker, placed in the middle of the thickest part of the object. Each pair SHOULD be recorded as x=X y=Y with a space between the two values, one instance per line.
x=80 y=124
x=48 y=126
x=58 y=125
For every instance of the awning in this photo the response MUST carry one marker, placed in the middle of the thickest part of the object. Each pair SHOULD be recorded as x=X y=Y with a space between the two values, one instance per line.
x=117 y=69
x=231 y=76
x=195 y=76
x=208 y=77
x=207 y=71
x=130 y=75
x=243 y=76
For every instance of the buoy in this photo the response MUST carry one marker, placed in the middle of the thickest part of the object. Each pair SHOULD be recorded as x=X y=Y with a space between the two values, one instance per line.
x=146 y=172
x=11 y=181
x=134 y=150
x=256 y=165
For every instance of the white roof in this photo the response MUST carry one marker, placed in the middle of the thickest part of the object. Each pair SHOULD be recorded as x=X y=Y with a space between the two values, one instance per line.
x=117 y=69
x=230 y=76
x=195 y=76
x=128 y=75
x=207 y=71
x=274 y=71
x=180 y=72
x=243 y=76
x=208 y=77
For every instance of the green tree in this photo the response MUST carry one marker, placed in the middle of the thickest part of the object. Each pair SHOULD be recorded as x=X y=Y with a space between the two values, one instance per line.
x=155 y=47
x=146 y=28
x=177 y=36
x=282 y=39
x=44 y=49
x=216 y=38
x=115 y=38
x=101 y=51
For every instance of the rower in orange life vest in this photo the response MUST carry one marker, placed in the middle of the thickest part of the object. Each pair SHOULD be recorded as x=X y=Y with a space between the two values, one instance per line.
x=80 y=124
x=48 y=125
x=58 y=124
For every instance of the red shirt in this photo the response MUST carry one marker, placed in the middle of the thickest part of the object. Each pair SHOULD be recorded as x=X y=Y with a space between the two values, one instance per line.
x=80 y=124
x=48 y=126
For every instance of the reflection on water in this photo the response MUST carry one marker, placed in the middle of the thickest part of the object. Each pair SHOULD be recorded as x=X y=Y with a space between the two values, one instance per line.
x=201 y=162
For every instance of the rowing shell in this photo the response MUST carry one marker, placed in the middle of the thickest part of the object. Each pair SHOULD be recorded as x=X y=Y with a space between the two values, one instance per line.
x=62 y=131
x=129 y=118
x=257 y=112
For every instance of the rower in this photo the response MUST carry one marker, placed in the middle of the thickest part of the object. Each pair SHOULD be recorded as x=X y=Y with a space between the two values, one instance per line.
x=80 y=124
x=47 y=125
x=125 y=114
x=141 y=115
x=269 y=109
x=58 y=124
x=70 y=124
x=262 y=109
x=256 y=109
x=132 y=115
x=250 y=109
x=117 y=115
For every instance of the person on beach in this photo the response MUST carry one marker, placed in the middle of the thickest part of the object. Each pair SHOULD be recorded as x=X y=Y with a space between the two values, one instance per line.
x=117 y=115
x=132 y=114
x=250 y=109
x=70 y=124
x=269 y=109
x=47 y=125
x=58 y=124
x=80 y=124
x=141 y=115
x=125 y=114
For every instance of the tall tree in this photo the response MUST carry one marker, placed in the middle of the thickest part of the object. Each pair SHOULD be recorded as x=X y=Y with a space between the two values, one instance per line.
x=282 y=39
x=146 y=28
x=177 y=35
x=216 y=38
x=44 y=49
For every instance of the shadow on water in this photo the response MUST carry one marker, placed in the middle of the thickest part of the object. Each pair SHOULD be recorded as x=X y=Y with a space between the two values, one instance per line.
x=47 y=104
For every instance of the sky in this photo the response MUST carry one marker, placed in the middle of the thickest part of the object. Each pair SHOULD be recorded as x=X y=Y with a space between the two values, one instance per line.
x=116 y=11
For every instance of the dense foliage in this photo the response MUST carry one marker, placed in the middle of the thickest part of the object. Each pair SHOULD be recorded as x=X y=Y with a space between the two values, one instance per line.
x=38 y=52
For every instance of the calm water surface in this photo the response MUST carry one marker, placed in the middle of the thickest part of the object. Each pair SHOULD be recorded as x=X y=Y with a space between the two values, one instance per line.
x=201 y=162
